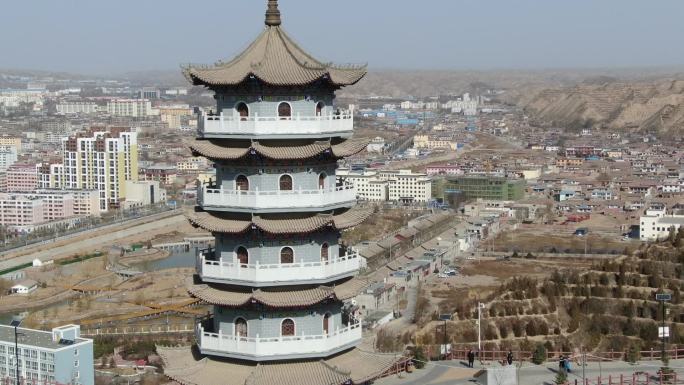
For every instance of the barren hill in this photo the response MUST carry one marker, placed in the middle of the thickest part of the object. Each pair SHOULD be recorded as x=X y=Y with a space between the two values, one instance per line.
x=651 y=107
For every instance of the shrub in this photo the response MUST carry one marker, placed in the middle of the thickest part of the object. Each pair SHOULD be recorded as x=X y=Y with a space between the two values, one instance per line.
x=633 y=354
x=561 y=378
x=539 y=354
x=419 y=357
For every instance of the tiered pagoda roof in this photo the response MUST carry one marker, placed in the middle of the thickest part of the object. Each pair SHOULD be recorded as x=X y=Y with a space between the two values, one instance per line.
x=186 y=366
x=275 y=59
x=232 y=150
x=274 y=298
x=215 y=222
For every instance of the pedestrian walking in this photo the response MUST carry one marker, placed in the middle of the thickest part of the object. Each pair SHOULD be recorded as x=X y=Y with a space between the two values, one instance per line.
x=471 y=358
x=509 y=357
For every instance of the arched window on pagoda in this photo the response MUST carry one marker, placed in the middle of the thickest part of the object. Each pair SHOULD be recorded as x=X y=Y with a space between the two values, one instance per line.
x=242 y=110
x=284 y=110
x=286 y=255
x=240 y=327
x=242 y=255
x=241 y=183
x=326 y=323
x=321 y=180
x=287 y=328
x=285 y=183
x=319 y=108
x=324 y=252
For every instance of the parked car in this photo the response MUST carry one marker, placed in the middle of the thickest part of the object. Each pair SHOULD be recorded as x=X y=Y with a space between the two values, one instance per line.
x=442 y=275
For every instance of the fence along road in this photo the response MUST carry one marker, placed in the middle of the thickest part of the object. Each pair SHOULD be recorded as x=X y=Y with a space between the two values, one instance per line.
x=100 y=239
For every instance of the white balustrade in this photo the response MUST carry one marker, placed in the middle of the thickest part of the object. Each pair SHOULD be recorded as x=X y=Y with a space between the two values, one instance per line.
x=284 y=346
x=255 y=200
x=284 y=273
x=216 y=126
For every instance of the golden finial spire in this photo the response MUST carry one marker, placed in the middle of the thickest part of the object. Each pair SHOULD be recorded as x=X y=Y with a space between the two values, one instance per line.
x=272 y=13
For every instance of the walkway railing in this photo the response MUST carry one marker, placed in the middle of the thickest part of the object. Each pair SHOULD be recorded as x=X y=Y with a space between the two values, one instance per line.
x=255 y=125
x=277 y=346
x=675 y=352
x=277 y=272
x=213 y=197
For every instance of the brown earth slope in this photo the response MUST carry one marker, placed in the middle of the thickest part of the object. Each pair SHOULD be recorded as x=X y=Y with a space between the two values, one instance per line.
x=656 y=107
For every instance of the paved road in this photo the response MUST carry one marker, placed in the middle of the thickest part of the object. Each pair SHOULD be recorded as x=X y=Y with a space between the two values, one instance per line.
x=99 y=240
x=456 y=373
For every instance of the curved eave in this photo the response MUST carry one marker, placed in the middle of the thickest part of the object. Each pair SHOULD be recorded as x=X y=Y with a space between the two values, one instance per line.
x=197 y=78
x=284 y=299
x=341 y=221
x=216 y=150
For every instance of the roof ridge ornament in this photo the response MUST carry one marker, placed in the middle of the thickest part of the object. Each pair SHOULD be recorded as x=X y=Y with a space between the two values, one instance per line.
x=273 y=14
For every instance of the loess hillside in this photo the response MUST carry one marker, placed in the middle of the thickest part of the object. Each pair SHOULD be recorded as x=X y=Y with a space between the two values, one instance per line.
x=645 y=107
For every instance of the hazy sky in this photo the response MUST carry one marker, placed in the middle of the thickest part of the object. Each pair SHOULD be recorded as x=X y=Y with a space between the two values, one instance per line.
x=101 y=36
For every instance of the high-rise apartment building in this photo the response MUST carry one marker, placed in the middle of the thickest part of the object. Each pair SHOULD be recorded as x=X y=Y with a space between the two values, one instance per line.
x=50 y=175
x=101 y=160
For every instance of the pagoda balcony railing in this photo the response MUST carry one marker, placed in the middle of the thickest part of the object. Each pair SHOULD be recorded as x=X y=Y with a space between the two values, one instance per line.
x=211 y=198
x=276 y=274
x=297 y=346
x=298 y=126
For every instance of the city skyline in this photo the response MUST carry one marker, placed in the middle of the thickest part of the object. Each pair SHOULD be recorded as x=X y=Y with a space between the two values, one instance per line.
x=531 y=34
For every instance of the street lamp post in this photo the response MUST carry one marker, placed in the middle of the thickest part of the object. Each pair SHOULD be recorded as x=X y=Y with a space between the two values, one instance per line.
x=16 y=321
x=662 y=298
x=480 y=306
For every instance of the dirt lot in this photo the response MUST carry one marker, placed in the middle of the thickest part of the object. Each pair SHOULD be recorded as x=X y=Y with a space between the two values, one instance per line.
x=381 y=223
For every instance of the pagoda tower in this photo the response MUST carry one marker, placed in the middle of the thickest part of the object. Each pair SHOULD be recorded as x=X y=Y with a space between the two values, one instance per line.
x=278 y=278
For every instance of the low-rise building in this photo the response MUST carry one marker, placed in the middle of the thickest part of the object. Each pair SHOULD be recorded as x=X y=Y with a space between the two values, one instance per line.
x=163 y=173
x=21 y=177
x=485 y=187
x=431 y=143
x=143 y=193
x=76 y=107
x=11 y=141
x=20 y=212
x=130 y=107
x=652 y=228
x=393 y=185
x=60 y=356
x=377 y=145
x=8 y=156
x=406 y=186
x=24 y=287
